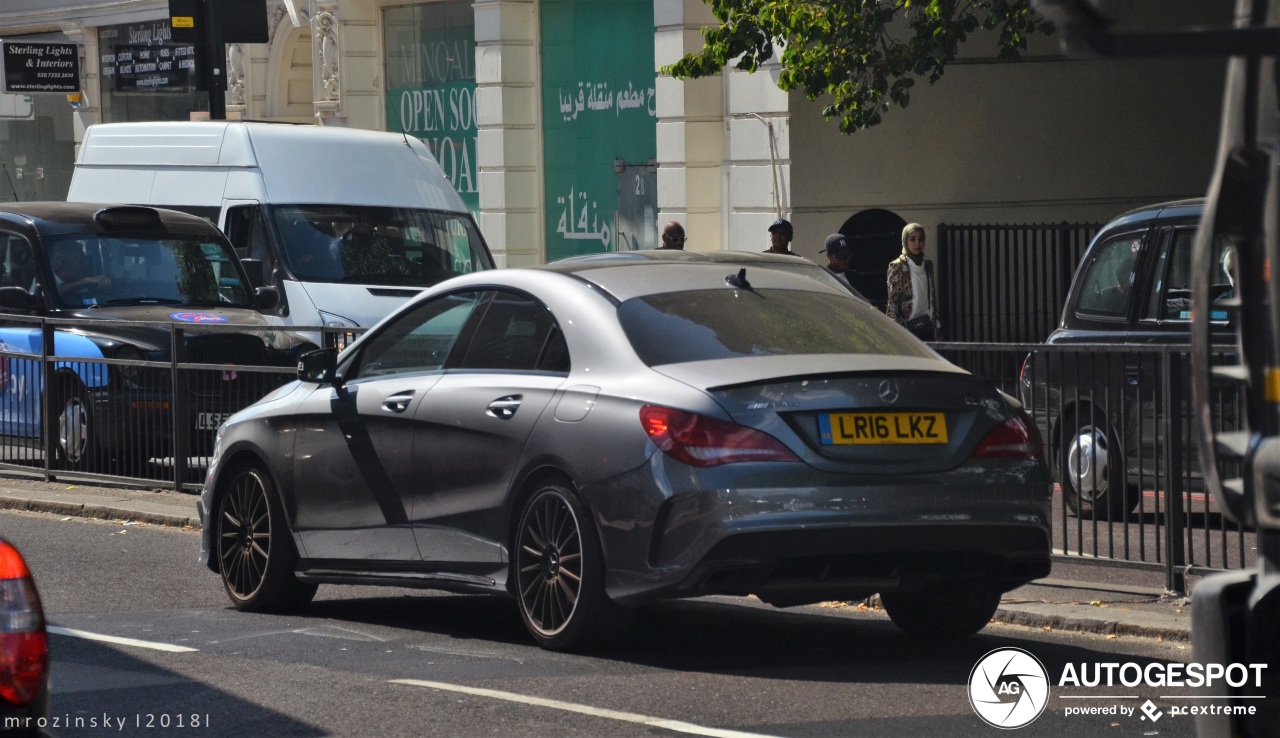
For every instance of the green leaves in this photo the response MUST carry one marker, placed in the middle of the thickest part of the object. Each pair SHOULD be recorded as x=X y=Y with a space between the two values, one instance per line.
x=864 y=55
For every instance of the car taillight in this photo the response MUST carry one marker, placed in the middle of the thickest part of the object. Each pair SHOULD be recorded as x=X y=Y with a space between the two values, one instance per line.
x=1015 y=438
x=24 y=646
x=700 y=441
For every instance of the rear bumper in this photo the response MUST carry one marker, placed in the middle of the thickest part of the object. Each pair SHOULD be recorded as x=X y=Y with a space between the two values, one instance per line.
x=798 y=566
x=799 y=535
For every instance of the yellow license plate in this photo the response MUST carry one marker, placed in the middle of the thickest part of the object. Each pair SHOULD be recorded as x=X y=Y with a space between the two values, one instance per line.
x=845 y=429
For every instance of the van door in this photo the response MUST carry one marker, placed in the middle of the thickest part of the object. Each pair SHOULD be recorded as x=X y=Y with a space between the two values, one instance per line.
x=245 y=223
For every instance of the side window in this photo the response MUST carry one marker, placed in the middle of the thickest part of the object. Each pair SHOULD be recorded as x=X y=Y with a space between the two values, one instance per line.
x=17 y=265
x=516 y=334
x=1171 y=299
x=247 y=231
x=420 y=341
x=1108 y=285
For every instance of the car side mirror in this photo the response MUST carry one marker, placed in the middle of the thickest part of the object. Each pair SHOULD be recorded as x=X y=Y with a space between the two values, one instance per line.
x=319 y=367
x=253 y=270
x=17 y=300
x=266 y=297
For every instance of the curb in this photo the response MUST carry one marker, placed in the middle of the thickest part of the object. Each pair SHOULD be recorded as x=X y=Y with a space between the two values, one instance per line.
x=99 y=512
x=1100 y=626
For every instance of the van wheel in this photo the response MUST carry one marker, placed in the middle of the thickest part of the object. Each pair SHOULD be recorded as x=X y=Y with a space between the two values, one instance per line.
x=77 y=446
x=1092 y=469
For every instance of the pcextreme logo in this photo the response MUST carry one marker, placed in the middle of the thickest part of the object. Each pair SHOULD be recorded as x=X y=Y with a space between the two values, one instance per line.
x=1009 y=688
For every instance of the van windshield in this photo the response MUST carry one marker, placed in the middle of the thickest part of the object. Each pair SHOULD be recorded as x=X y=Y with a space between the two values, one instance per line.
x=378 y=245
x=88 y=269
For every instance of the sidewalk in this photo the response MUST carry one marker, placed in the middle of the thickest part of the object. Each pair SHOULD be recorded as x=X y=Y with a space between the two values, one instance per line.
x=1076 y=598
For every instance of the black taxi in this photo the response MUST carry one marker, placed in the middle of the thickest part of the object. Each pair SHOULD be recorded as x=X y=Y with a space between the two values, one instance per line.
x=91 y=300
x=1101 y=409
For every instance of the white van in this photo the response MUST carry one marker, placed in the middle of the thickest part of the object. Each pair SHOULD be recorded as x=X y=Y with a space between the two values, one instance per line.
x=347 y=224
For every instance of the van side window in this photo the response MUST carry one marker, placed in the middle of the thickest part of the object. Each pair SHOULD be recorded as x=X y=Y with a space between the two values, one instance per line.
x=247 y=231
x=1108 y=286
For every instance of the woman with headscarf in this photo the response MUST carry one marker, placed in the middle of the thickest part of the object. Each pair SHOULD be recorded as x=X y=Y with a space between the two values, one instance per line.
x=913 y=290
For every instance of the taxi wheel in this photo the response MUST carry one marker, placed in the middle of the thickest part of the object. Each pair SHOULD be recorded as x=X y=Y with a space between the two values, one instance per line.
x=77 y=446
x=558 y=569
x=1091 y=468
x=255 y=552
x=943 y=610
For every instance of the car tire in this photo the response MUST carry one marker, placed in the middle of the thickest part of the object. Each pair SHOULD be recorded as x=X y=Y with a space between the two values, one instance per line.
x=558 y=570
x=1090 y=466
x=77 y=445
x=255 y=550
x=944 y=610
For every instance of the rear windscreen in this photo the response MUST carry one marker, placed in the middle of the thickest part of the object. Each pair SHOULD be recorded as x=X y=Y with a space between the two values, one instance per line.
x=676 y=327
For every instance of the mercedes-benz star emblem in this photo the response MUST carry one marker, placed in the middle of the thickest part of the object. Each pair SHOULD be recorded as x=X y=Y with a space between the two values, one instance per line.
x=889 y=390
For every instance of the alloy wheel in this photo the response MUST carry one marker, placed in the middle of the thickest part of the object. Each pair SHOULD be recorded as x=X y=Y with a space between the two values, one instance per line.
x=549 y=563
x=244 y=536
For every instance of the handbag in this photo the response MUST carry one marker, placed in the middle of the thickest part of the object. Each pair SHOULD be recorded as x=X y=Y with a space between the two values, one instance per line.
x=921 y=327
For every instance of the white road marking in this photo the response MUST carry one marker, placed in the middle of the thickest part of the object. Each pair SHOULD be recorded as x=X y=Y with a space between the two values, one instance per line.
x=120 y=641
x=626 y=717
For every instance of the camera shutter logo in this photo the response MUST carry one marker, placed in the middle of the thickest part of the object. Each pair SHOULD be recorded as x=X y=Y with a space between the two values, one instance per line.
x=1009 y=688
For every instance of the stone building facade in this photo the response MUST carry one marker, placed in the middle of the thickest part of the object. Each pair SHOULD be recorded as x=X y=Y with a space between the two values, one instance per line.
x=551 y=120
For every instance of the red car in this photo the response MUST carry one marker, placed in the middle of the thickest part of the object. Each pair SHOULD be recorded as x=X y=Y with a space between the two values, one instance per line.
x=24 y=649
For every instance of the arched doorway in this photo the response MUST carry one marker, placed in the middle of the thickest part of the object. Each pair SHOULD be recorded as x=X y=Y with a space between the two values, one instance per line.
x=876 y=236
x=289 y=91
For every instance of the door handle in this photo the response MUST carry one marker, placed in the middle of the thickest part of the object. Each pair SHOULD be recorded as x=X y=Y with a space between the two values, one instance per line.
x=504 y=408
x=398 y=403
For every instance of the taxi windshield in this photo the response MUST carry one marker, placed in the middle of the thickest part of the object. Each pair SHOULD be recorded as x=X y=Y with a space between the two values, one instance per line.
x=87 y=270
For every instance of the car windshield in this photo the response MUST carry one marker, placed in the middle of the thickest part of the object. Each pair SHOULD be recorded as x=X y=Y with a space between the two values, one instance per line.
x=103 y=270
x=675 y=327
x=377 y=245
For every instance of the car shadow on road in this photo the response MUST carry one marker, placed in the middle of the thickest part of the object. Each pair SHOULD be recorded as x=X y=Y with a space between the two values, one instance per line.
x=731 y=636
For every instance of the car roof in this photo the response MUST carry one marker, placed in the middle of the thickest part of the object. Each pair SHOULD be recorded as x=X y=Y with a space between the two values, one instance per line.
x=744 y=258
x=54 y=218
x=1190 y=208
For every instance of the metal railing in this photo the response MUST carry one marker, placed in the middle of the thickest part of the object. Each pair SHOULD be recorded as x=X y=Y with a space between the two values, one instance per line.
x=1116 y=424
x=75 y=407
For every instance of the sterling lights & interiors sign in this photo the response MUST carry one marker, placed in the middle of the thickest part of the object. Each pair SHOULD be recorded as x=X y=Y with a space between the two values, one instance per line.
x=1010 y=688
x=32 y=67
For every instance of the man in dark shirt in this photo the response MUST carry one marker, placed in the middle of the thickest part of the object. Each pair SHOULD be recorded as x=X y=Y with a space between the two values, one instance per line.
x=839 y=253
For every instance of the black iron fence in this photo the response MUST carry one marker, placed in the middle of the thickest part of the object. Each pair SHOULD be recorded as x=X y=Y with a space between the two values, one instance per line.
x=1007 y=283
x=1115 y=421
x=79 y=399
x=1117 y=427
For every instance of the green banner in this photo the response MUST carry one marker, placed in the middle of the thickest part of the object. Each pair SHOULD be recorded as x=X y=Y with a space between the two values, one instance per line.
x=431 y=85
x=598 y=112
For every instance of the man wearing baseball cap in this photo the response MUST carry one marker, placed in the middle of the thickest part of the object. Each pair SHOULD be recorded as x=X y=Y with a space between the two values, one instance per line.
x=839 y=253
x=780 y=234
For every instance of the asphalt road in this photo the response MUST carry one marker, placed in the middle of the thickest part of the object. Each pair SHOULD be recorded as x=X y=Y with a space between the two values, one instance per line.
x=715 y=665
